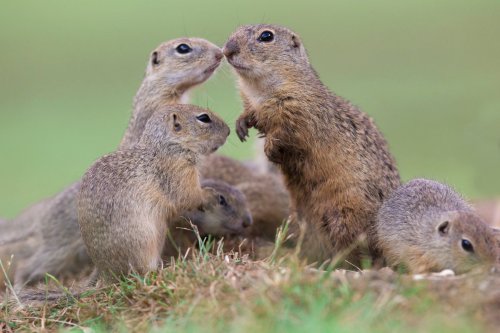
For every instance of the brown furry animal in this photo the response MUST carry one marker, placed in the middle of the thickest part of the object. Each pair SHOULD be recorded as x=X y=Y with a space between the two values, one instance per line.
x=266 y=194
x=428 y=227
x=224 y=213
x=336 y=163
x=173 y=69
x=128 y=199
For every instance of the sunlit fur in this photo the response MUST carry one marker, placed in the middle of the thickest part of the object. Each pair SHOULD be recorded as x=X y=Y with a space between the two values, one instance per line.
x=408 y=229
x=336 y=163
x=53 y=221
x=129 y=198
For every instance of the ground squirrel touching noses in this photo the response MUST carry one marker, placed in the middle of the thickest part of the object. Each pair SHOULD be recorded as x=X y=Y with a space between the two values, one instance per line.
x=224 y=212
x=427 y=227
x=336 y=163
x=173 y=69
x=129 y=198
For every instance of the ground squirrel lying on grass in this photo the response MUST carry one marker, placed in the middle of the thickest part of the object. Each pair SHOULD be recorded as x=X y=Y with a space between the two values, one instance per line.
x=128 y=199
x=426 y=226
x=224 y=213
x=173 y=68
x=336 y=163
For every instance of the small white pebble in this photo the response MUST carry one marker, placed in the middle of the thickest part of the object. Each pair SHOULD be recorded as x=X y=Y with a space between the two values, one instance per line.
x=444 y=273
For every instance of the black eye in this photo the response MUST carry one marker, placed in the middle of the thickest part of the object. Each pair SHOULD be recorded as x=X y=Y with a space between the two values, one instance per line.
x=467 y=246
x=154 y=58
x=266 y=36
x=204 y=118
x=222 y=200
x=183 y=48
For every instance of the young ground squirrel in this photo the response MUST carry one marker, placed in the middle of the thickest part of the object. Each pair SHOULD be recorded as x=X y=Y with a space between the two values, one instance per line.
x=336 y=164
x=128 y=198
x=224 y=213
x=426 y=226
x=173 y=68
x=266 y=194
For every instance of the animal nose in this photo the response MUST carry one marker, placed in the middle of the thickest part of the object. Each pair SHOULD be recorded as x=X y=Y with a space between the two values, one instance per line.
x=247 y=221
x=219 y=55
x=231 y=48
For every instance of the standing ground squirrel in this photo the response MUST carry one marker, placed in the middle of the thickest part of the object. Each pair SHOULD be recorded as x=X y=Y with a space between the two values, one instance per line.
x=128 y=198
x=224 y=213
x=173 y=68
x=336 y=163
x=427 y=226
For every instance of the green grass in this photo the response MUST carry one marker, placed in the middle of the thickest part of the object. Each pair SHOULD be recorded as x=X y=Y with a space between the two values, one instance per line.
x=218 y=291
x=427 y=71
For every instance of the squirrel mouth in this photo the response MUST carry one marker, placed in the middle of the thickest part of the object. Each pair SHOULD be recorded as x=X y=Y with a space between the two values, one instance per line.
x=236 y=65
x=212 y=68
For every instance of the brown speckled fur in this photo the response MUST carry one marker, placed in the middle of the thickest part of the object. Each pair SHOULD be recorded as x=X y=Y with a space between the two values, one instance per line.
x=408 y=234
x=266 y=194
x=128 y=198
x=336 y=163
x=53 y=221
x=224 y=213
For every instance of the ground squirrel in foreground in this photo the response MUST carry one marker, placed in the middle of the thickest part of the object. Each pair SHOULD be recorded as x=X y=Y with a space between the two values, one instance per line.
x=224 y=213
x=426 y=226
x=128 y=199
x=173 y=68
x=336 y=163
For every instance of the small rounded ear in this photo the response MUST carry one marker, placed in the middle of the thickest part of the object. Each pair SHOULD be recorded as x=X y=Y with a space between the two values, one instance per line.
x=296 y=41
x=177 y=125
x=154 y=58
x=444 y=228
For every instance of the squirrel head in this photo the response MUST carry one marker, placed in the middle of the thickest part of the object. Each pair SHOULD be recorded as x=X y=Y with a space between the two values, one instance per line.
x=266 y=53
x=469 y=241
x=224 y=210
x=185 y=127
x=183 y=63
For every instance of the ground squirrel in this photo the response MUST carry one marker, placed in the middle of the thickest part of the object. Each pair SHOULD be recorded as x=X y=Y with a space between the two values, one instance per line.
x=266 y=194
x=173 y=68
x=128 y=198
x=224 y=213
x=426 y=226
x=336 y=163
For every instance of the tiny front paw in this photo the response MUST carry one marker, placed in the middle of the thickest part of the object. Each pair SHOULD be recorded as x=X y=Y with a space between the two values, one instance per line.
x=242 y=126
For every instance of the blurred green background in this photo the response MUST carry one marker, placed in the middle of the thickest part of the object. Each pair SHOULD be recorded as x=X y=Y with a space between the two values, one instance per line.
x=427 y=71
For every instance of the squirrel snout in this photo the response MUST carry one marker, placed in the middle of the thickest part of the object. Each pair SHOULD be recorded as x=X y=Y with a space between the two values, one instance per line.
x=219 y=55
x=231 y=48
x=247 y=221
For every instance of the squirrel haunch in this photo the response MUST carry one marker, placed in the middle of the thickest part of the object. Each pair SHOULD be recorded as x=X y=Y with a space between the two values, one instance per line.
x=128 y=198
x=426 y=226
x=336 y=163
